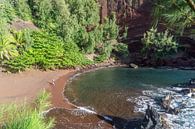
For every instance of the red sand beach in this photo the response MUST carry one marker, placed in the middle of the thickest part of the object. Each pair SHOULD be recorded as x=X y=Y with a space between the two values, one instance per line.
x=26 y=85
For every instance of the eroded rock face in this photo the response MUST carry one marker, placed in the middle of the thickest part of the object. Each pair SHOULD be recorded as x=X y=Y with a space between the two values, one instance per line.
x=134 y=14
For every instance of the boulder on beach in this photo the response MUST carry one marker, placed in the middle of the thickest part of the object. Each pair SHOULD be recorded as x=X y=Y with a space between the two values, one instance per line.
x=132 y=65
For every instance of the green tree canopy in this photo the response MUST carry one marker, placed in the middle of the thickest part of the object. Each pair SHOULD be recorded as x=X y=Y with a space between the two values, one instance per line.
x=177 y=15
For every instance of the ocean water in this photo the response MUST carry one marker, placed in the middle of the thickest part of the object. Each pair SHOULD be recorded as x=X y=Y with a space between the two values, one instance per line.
x=125 y=93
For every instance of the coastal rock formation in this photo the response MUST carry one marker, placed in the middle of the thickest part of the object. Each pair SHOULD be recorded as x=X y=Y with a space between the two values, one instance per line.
x=153 y=120
x=170 y=107
x=166 y=104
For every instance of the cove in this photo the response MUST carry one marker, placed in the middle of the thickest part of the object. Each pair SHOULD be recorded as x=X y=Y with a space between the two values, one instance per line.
x=108 y=91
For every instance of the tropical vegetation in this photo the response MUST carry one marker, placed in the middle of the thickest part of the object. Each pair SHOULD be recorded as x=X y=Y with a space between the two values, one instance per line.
x=158 y=44
x=27 y=116
x=177 y=15
x=66 y=31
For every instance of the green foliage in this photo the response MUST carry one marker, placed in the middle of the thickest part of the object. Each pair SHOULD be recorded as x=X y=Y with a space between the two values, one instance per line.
x=158 y=44
x=42 y=102
x=23 y=39
x=47 y=52
x=85 y=11
x=41 y=12
x=176 y=14
x=121 y=50
x=106 y=38
x=22 y=9
x=72 y=56
x=104 y=51
x=6 y=11
x=101 y=58
x=71 y=29
x=8 y=47
x=24 y=116
x=110 y=28
x=20 y=63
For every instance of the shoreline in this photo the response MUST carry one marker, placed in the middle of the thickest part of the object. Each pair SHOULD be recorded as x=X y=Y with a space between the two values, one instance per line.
x=58 y=98
x=24 y=86
x=17 y=90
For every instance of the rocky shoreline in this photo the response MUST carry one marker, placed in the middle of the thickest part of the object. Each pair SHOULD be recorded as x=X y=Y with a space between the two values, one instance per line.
x=176 y=104
x=92 y=120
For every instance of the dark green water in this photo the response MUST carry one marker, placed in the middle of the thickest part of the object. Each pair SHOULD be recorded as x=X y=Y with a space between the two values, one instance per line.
x=107 y=90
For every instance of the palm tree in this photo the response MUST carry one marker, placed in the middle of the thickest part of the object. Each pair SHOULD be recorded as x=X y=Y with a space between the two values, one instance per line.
x=177 y=15
x=8 y=48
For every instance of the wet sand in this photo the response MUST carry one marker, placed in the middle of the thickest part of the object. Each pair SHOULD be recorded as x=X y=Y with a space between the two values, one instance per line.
x=57 y=90
x=26 y=85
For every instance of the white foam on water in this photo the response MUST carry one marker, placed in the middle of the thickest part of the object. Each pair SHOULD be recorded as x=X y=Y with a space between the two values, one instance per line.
x=82 y=111
x=87 y=110
x=186 y=117
x=107 y=118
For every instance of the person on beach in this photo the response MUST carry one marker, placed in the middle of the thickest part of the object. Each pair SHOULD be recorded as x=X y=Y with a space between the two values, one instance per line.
x=52 y=83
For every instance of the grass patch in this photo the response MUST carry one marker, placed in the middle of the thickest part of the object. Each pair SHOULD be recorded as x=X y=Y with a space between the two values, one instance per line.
x=26 y=116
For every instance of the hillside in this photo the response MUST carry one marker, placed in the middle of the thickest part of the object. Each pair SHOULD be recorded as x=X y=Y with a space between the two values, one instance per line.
x=54 y=34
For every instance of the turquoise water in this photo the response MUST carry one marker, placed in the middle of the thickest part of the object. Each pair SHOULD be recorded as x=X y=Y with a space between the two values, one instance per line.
x=107 y=91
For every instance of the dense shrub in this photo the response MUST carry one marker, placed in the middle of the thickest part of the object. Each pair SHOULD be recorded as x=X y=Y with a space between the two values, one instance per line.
x=110 y=28
x=177 y=15
x=20 y=63
x=47 y=52
x=85 y=11
x=44 y=13
x=121 y=50
x=109 y=32
x=158 y=44
x=101 y=58
x=22 y=9
x=72 y=56
x=7 y=12
x=23 y=39
x=26 y=116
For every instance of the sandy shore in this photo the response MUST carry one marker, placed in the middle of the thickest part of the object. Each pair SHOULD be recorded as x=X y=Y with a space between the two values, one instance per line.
x=26 y=85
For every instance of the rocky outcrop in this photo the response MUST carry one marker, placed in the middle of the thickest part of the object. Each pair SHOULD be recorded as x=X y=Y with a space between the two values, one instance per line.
x=19 y=24
x=166 y=104
x=153 y=120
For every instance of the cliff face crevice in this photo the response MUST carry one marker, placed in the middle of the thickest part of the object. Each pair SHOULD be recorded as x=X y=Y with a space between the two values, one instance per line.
x=134 y=14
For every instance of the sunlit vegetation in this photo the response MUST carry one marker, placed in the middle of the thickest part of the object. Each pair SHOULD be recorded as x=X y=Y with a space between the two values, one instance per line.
x=158 y=44
x=178 y=18
x=68 y=29
x=176 y=15
x=26 y=116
